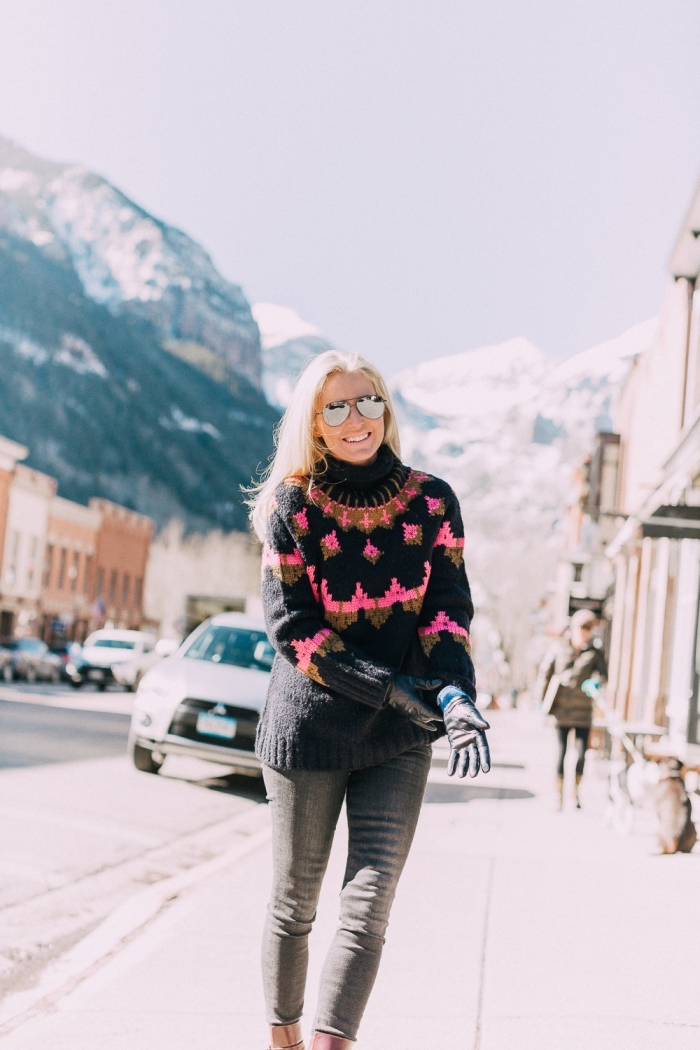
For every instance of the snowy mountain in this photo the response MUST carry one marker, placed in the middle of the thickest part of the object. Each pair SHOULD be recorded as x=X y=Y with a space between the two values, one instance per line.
x=126 y=259
x=128 y=365
x=288 y=344
x=506 y=425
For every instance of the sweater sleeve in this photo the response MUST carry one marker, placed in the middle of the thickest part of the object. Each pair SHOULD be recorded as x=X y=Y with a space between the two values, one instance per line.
x=447 y=611
x=298 y=632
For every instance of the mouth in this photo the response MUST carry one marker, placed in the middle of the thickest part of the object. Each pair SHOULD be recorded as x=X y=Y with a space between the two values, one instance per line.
x=359 y=439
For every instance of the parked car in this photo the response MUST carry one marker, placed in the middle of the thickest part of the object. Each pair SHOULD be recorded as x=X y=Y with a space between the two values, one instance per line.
x=205 y=700
x=132 y=671
x=65 y=654
x=29 y=659
x=5 y=662
x=102 y=650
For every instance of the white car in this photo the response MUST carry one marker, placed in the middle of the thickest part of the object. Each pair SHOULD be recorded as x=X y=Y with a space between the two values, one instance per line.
x=132 y=671
x=102 y=650
x=205 y=700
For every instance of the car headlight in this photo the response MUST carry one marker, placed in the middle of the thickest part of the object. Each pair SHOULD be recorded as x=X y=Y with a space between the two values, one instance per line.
x=154 y=696
x=71 y=669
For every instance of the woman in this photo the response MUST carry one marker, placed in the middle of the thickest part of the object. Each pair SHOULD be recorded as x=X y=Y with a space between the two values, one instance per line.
x=367 y=604
x=576 y=658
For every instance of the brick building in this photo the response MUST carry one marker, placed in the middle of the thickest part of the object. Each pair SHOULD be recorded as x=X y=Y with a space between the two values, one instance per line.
x=121 y=555
x=66 y=569
x=68 y=580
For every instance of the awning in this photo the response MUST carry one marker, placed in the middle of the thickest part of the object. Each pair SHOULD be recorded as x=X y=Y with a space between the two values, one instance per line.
x=674 y=522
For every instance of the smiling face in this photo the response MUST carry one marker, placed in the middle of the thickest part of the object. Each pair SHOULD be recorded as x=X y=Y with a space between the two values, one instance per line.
x=357 y=440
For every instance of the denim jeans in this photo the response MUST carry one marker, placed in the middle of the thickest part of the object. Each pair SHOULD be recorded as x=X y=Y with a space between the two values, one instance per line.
x=383 y=803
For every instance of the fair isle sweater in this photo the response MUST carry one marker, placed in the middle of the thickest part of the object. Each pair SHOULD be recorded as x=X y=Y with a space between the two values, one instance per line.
x=363 y=576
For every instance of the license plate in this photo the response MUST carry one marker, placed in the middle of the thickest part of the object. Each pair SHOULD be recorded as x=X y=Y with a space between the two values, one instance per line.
x=96 y=676
x=216 y=725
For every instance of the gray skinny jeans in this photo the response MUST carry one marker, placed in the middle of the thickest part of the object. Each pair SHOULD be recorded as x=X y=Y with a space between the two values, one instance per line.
x=383 y=803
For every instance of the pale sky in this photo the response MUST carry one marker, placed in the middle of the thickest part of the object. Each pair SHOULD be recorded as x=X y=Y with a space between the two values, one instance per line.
x=416 y=178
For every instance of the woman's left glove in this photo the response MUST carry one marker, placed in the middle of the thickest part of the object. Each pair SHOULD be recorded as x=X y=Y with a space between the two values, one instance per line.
x=469 y=748
x=404 y=694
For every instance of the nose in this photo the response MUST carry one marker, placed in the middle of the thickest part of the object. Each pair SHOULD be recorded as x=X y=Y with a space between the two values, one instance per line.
x=356 y=416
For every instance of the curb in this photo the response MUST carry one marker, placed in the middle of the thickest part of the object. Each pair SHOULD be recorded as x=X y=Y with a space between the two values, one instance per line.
x=112 y=934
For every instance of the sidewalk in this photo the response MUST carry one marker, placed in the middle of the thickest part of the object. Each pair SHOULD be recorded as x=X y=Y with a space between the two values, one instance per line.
x=514 y=928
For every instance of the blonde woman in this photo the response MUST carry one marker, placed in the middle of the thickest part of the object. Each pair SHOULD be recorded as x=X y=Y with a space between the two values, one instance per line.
x=367 y=604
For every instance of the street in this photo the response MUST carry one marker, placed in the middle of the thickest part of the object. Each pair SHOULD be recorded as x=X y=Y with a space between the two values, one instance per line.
x=36 y=734
x=82 y=830
x=515 y=926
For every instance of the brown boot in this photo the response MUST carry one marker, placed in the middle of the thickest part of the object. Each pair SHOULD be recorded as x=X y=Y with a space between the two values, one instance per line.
x=286 y=1037
x=322 y=1041
x=579 y=778
x=560 y=793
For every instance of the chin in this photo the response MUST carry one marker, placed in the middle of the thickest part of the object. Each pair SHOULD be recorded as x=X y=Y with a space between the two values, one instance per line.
x=360 y=455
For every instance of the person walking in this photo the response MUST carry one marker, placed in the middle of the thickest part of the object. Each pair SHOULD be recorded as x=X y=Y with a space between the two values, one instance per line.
x=576 y=657
x=367 y=604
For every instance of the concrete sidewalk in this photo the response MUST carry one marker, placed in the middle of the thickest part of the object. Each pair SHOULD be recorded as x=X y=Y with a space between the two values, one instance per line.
x=515 y=927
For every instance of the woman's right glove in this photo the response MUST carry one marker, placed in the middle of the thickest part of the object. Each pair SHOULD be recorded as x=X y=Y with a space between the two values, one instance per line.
x=465 y=732
x=403 y=694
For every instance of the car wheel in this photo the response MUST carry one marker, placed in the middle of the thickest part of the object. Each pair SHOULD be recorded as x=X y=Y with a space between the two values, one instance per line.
x=55 y=677
x=8 y=674
x=76 y=685
x=102 y=686
x=144 y=760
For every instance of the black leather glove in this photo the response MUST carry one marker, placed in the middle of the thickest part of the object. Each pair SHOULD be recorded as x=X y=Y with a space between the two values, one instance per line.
x=469 y=748
x=404 y=695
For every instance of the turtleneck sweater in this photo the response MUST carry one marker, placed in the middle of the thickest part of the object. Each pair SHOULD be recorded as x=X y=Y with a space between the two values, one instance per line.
x=363 y=578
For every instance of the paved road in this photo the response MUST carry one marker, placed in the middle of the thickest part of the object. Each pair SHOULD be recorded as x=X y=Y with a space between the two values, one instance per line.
x=515 y=928
x=34 y=734
x=82 y=829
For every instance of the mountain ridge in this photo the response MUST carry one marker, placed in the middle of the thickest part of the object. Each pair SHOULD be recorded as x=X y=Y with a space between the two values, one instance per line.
x=147 y=393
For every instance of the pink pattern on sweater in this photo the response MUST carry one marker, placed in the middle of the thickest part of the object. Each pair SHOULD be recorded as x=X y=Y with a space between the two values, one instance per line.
x=274 y=560
x=371 y=553
x=442 y=622
x=301 y=522
x=362 y=601
x=306 y=647
x=446 y=538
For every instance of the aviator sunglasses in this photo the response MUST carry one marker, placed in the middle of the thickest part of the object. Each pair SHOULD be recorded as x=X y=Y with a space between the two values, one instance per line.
x=371 y=406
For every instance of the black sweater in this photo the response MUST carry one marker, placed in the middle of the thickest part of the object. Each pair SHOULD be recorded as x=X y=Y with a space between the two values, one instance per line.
x=363 y=576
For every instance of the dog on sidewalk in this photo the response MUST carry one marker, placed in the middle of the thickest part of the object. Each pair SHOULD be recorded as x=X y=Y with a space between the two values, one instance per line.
x=677 y=832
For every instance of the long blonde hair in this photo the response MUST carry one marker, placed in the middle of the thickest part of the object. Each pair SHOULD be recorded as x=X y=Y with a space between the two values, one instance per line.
x=299 y=450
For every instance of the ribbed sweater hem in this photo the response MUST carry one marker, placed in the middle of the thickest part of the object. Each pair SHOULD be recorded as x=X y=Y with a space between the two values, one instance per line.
x=287 y=753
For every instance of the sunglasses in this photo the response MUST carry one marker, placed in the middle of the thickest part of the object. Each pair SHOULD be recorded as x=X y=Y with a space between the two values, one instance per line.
x=371 y=406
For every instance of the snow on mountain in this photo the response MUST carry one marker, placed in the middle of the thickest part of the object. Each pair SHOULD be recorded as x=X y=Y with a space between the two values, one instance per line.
x=505 y=425
x=128 y=365
x=126 y=259
x=288 y=344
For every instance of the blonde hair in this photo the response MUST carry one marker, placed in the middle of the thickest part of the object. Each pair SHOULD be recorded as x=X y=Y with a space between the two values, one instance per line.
x=299 y=451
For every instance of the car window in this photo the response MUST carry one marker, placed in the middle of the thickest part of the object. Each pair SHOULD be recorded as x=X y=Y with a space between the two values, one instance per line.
x=232 y=645
x=113 y=643
x=31 y=645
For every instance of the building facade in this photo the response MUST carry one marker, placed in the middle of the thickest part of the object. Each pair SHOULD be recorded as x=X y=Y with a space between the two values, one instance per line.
x=122 y=545
x=66 y=569
x=68 y=580
x=655 y=551
x=30 y=495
